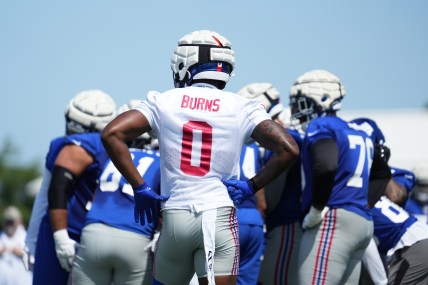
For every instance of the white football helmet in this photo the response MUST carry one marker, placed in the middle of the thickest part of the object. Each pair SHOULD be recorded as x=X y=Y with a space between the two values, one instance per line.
x=131 y=104
x=267 y=94
x=145 y=140
x=285 y=116
x=202 y=54
x=89 y=111
x=314 y=94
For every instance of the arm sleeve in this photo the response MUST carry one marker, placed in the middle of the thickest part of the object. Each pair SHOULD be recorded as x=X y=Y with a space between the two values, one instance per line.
x=59 y=188
x=325 y=156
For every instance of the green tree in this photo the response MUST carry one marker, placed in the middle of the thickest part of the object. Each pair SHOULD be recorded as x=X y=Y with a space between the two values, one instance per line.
x=13 y=179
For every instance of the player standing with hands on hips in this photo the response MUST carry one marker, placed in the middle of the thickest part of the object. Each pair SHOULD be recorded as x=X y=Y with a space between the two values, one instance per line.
x=201 y=131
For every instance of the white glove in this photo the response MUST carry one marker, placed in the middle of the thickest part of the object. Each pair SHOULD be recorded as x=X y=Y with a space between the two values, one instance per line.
x=314 y=217
x=65 y=249
x=153 y=243
x=28 y=259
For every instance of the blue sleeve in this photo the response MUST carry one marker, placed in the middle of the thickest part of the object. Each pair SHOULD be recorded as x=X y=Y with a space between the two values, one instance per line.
x=404 y=177
x=91 y=142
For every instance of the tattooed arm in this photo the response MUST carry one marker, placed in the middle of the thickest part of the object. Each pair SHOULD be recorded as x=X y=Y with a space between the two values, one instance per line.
x=275 y=138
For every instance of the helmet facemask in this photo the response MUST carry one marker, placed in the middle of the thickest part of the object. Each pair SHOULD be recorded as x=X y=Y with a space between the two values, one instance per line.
x=314 y=94
x=303 y=110
x=73 y=127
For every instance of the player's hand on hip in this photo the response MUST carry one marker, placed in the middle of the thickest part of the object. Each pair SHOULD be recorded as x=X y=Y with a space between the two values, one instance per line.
x=65 y=249
x=238 y=190
x=145 y=203
x=314 y=217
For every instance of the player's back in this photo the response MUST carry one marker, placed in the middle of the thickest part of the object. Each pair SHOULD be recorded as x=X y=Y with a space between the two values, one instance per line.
x=113 y=204
x=287 y=210
x=201 y=131
x=355 y=153
x=390 y=223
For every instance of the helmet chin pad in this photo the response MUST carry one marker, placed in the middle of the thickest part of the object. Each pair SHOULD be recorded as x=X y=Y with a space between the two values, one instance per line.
x=212 y=70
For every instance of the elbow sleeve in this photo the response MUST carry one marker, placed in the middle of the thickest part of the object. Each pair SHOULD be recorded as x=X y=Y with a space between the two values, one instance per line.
x=325 y=157
x=60 y=187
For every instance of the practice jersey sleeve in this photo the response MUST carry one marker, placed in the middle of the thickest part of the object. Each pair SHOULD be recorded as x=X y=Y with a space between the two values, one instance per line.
x=256 y=114
x=404 y=177
x=148 y=108
x=91 y=142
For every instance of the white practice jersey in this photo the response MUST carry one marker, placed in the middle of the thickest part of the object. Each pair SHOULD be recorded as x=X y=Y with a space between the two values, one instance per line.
x=201 y=132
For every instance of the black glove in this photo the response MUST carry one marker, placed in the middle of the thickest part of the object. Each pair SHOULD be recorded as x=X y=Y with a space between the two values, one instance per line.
x=380 y=168
x=385 y=152
x=380 y=174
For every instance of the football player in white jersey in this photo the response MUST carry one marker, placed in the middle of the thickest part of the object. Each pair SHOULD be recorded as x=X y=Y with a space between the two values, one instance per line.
x=201 y=130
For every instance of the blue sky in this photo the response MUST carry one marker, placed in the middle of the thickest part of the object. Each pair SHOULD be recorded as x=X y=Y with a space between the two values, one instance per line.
x=51 y=50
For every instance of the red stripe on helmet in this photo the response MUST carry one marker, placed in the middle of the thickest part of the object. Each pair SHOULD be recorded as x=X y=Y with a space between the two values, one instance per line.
x=218 y=41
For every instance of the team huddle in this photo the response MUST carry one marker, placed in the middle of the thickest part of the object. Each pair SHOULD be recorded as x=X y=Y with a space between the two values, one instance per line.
x=198 y=185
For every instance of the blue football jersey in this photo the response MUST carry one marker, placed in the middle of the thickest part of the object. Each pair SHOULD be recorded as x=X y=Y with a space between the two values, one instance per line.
x=113 y=204
x=390 y=223
x=404 y=177
x=250 y=163
x=288 y=209
x=390 y=220
x=80 y=197
x=350 y=190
